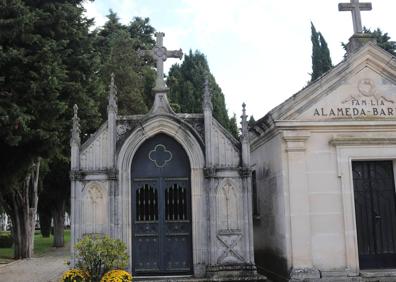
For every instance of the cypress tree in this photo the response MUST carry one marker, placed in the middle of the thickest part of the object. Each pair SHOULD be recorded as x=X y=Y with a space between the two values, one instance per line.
x=117 y=45
x=321 y=60
x=186 y=86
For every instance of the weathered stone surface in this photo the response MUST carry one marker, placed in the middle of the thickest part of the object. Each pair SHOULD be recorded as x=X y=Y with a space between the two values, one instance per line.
x=302 y=153
x=222 y=241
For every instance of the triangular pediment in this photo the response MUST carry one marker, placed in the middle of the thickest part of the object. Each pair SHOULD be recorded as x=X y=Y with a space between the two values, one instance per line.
x=365 y=95
x=363 y=87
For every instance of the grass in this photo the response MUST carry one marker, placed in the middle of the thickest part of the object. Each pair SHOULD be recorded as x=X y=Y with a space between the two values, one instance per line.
x=41 y=247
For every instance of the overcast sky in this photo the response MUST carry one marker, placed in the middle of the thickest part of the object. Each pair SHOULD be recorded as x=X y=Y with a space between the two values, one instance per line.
x=258 y=50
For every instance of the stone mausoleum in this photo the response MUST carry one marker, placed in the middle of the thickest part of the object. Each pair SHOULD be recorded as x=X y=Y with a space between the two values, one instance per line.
x=306 y=194
x=176 y=188
x=324 y=164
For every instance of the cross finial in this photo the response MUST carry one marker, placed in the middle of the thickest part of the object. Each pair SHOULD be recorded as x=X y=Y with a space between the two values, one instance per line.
x=75 y=138
x=112 y=95
x=355 y=7
x=160 y=54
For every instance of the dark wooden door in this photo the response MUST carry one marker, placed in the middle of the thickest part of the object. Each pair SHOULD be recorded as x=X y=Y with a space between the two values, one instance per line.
x=374 y=191
x=161 y=209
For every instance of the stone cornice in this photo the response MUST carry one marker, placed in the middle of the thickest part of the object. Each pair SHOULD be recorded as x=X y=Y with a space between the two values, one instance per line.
x=82 y=175
x=295 y=140
x=354 y=141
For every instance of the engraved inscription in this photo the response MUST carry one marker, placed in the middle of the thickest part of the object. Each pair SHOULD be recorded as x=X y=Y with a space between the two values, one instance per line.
x=366 y=102
x=358 y=108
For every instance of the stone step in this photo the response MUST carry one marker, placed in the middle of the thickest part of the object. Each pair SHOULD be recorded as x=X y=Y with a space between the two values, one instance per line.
x=258 y=278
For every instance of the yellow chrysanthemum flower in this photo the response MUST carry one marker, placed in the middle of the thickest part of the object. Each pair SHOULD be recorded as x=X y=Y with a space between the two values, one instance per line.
x=74 y=275
x=117 y=275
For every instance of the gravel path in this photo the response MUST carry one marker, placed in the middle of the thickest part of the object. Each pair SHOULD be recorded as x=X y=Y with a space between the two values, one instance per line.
x=48 y=268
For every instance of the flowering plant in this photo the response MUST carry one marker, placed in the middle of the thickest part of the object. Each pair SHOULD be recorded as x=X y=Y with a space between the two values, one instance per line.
x=96 y=255
x=116 y=275
x=75 y=275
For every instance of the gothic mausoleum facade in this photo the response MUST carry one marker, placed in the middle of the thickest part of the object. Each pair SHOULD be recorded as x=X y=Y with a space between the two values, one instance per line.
x=174 y=187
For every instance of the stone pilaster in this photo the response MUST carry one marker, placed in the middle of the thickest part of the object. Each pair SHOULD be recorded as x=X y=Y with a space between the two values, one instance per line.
x=207 y=108
x=245 y=139
x=300 y=223
x=112 y=111
x=75 y=143
x=246 y=185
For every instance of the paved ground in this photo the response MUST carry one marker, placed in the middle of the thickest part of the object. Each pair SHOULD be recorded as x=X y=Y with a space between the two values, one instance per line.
x=37 y=269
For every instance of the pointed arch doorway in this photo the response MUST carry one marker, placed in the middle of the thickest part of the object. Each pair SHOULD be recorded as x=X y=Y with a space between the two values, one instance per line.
x=161 y=208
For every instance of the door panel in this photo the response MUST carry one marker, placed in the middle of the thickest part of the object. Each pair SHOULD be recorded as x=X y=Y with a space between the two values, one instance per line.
x=177 y=225
x=146 y=235
x=161 y=208
x=374 y=191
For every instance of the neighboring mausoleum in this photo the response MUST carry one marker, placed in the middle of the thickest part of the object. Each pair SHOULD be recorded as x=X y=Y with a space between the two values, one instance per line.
x=324 y=166
x=176 y=188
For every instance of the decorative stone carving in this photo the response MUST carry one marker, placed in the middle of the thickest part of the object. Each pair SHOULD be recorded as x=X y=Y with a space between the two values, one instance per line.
x=112 y=106
x=209 y=172
x=122 y=129
x=230 y=253
x=94 y=156
x=228 y=208
x=207 y=97
x=95 y=194
x=94 y=208
x=160 y=155
x=197 y=124
x=367 y=89
x=75 y=136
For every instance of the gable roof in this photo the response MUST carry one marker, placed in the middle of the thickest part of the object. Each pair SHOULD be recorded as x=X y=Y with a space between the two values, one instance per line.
x=369 y=55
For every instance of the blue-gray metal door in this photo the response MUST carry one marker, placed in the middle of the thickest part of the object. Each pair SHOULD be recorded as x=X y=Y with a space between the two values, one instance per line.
x=161 y=208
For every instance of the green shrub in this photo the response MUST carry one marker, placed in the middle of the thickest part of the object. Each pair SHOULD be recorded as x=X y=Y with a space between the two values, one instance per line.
x=6 y=240
x=96 y=255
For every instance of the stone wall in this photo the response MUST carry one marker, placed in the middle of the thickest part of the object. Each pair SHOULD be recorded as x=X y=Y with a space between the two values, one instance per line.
x=270 y=224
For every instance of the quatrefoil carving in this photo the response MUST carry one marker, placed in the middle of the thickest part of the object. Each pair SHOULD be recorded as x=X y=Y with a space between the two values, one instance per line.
x=160 y=155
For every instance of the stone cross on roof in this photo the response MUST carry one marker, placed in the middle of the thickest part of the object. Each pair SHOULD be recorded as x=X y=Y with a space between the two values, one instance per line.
x=160 y=54
x=355 y=7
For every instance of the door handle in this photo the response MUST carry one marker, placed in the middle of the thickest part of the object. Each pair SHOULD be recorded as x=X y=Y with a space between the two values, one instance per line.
x=378 y=217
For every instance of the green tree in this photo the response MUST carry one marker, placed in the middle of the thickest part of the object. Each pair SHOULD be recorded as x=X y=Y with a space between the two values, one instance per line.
x=383 y=40
x=81 y=86
x=321 y=60
x=118 y=47
x=186 y=87
x=47 y=64
x=251 y=121
x=54 y=197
